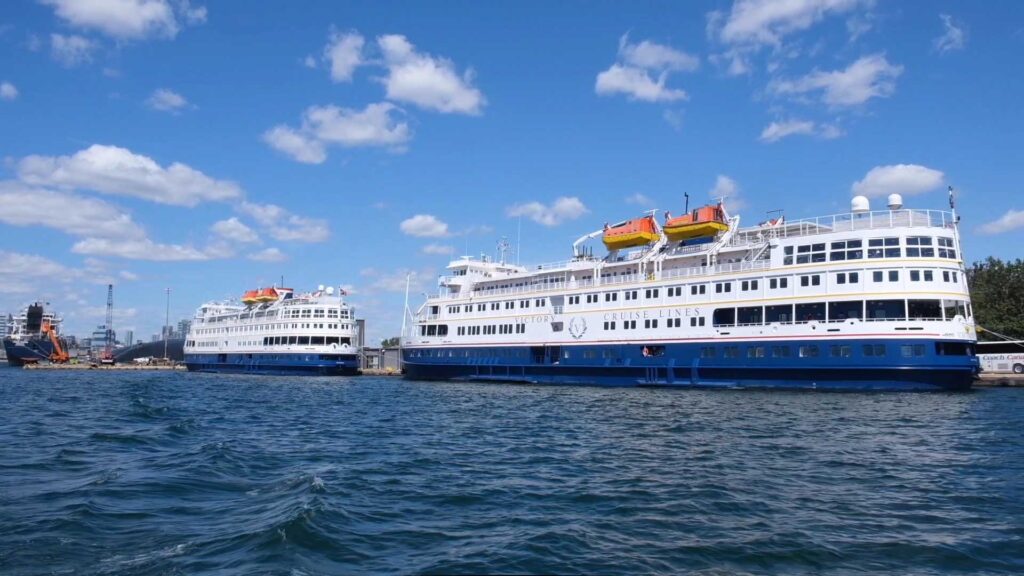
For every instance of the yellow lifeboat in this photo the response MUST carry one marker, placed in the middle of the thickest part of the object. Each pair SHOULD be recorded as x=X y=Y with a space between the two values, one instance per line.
x=635 y=232
x=699 y=223
x=266 y=295
x=250 y=297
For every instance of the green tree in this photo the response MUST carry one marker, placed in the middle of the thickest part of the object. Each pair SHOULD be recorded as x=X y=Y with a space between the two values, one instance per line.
x=389 y=342
x=997 y=295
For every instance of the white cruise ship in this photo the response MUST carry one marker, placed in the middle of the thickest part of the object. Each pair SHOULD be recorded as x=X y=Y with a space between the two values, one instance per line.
x=276 y=331
x=864 y=300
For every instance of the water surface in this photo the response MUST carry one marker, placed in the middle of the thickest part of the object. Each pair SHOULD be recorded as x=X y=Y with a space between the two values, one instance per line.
x=175 y=473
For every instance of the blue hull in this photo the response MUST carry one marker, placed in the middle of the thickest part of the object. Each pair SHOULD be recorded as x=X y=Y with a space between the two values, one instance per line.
x=911 y=365
x=275 y=364
x=32 y=350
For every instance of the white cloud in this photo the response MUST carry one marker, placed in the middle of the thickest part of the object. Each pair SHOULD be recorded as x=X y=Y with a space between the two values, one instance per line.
x=424 y=226
x=294 y=143
x=268 y=255
x=780 y=129
x=285 y=226
x=71 y=50
x=438 y=249
x=372 y=126
x=234 y=229
x=561 y=210
x=394 y=281
x=309 y=61
x=344 y=52
x=869 y=77
x=138 y=249
x=25 y=273
x=128 y=275
x=8 y=91
x=631 y=74
x=767 y=22
x=107 y=231
x=1012 y=220
x=30 y=206
x=166 y=100
x=375 y=125
x=427 y=81
x=953 y=37
x=114 y=170
x=637 y=84
x=906 y=179
x=653 y=56
x=639 y=199
x=729 y=191
x=128 y=19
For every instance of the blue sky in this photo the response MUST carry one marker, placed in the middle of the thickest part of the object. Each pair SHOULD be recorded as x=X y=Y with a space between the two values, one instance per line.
x=212 y=148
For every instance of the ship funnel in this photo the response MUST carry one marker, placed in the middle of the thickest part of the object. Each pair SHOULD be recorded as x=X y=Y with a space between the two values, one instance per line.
x=895 y=201
x=860 y=204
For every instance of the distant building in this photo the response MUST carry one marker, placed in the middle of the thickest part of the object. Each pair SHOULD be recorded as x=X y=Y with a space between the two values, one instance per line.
x=166 y=332
x=129 y=337
x=98 y=342
x=183 y=328
x=154 y=338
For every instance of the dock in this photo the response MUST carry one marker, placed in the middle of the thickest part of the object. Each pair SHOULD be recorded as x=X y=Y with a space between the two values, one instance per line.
x=114 y=367
x=999 y=380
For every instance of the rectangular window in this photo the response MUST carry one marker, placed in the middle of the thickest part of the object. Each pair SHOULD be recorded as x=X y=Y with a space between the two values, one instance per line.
x=840 y=351
x=755 y=351
x=894 y=275
x=731 y=352
x=854 y=277
x=809 y=351
x=924 y=309
x=886 y=310
x=750 y=315
x=651 y=293
x=780 y=351
x=915 y=275
x=841 y=278
x=928 y=277
x=629 y=295
x=724 y=317
x=779 y=313
x=877 y=276
x=874 y=350
x=810 y=311
x=845 y=310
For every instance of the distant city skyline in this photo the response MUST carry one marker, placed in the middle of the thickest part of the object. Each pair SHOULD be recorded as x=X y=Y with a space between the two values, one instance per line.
x=215 y=148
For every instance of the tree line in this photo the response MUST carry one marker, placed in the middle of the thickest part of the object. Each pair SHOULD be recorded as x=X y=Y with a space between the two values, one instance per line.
x=997 y=295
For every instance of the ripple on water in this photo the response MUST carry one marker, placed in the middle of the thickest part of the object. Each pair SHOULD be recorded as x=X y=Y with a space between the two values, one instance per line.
x=185 y=473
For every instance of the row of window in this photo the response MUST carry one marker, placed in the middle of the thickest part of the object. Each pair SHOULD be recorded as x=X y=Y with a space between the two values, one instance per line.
x=278 y=341
x=486 y=329
x=273 y=327
x=507 y=305
x=841 y=250
x=753 y=351
x=286 y=313
x=842 y=310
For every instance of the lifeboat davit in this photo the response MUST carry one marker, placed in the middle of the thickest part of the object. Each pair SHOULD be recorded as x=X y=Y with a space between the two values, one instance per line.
x=699 y=223
x=250 y=297
x=266 y=295
x=635 y=232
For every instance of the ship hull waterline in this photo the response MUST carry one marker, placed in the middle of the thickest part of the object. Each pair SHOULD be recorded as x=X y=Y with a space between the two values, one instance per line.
x=275 y=364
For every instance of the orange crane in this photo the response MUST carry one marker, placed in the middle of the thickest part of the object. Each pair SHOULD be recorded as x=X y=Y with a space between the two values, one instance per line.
x=59 y=354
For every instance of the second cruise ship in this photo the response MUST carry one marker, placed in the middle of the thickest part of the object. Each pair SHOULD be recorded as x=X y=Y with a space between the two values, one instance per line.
x=863 y=300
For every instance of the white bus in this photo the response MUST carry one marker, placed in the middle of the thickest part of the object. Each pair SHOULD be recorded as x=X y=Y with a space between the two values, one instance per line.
x=1002 y=357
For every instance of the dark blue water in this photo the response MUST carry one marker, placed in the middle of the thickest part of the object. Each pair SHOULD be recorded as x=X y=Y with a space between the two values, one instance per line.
x=157 y=473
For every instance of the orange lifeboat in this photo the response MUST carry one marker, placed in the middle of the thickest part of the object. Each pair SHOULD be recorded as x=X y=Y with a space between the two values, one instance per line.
x=266 y=295
x=250 y=297
x=635 y=232
x=699 y=223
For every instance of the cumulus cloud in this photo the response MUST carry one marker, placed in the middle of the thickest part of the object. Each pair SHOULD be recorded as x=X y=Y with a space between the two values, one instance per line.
x=395 y=280
x=344 y=53
x=631 y=74
x=425 y=226
x=119 y=171
x=954 y=35
x=234 y=229
x=268 y=255
x=296 y=144
x=23 y=273
x=129 y=19
x=166 y=100
x=71 y=50
x=138 y=249
x=868 y=77
x=1011 y=220
x=375 y=125
x=427 y=81
x=438 y=249
x=906 y=179
x=559 y=211
x=728 y=191
x=767 y=22
x=8 y=91
x=783 y=128
x=285 y=226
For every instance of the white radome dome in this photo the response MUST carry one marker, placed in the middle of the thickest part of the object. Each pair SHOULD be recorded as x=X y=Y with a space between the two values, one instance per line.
x=860 y=204
x=895 y=202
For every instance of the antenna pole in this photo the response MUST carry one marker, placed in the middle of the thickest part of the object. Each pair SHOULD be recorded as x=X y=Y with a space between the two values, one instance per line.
x=519 y=238
x=687 y=195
